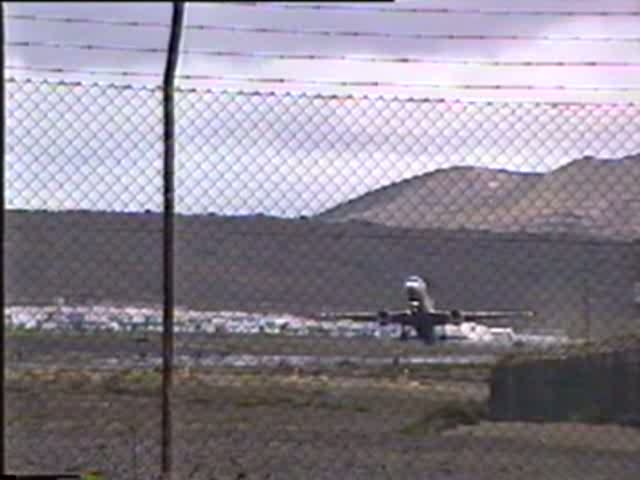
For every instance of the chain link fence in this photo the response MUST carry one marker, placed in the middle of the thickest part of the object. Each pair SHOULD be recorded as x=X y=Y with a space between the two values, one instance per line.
x=84 y=279
x=361 y=193
x=304 y=347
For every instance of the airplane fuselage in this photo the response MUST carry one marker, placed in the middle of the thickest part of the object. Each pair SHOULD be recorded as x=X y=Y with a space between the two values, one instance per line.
x=422 y=308
x=418 y=295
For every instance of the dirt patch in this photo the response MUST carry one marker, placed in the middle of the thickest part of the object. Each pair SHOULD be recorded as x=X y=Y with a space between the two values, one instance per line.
x=346 y=422
x=447 y=416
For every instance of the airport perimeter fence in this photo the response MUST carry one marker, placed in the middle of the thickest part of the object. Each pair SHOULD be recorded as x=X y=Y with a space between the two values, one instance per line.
x=197 y=315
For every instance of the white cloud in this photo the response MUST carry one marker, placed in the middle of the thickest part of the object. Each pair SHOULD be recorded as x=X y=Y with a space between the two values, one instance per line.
x=287 y=154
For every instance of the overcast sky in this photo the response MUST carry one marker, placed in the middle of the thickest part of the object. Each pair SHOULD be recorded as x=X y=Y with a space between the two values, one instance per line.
x=286 y=154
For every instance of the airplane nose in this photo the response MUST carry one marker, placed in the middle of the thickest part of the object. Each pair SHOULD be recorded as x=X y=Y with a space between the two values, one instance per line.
x=413 y=287
x=415 y=282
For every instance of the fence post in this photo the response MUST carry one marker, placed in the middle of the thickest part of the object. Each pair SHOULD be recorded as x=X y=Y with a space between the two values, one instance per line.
x=168 y=231
x=3 y=450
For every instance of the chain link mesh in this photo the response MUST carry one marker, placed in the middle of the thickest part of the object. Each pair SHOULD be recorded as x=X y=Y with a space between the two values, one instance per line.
x=296 y=215
x=301 y=205
x=84 y=279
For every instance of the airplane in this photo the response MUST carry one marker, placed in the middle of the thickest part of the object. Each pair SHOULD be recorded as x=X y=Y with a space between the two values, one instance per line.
x=422 y=314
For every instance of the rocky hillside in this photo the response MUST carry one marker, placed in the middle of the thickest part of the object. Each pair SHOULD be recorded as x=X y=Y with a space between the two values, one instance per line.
x=587 y=196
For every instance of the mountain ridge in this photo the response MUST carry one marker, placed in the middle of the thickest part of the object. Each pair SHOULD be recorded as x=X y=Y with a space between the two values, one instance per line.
x=588 y=195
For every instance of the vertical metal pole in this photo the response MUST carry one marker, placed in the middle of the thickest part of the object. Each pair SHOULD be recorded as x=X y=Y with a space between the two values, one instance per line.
x=168 y=243
x=3 y=444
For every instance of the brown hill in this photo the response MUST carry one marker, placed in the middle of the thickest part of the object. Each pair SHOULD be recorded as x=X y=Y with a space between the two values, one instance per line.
x=587 y=196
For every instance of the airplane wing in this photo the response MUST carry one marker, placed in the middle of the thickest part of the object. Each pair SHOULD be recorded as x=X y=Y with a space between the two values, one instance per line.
x=389 y=316
x=479 y=315
x=443 y=317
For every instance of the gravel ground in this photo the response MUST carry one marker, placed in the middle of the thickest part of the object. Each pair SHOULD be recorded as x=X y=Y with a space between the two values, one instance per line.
x=284 y=423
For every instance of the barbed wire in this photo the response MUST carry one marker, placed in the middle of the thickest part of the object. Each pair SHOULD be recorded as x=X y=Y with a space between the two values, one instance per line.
x=408 y=36
x=80 y=83
x=403 y=85
x=265 y=93
x=333 y=33
x=326 y=57
x=445 y=10
x=337 y=83
x=84 y=46
x=80 y=71
x=411 y=59
x=83 y=71
x=88 y=21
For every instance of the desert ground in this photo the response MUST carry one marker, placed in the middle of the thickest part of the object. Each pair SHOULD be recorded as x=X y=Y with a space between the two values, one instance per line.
x=73 y=408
